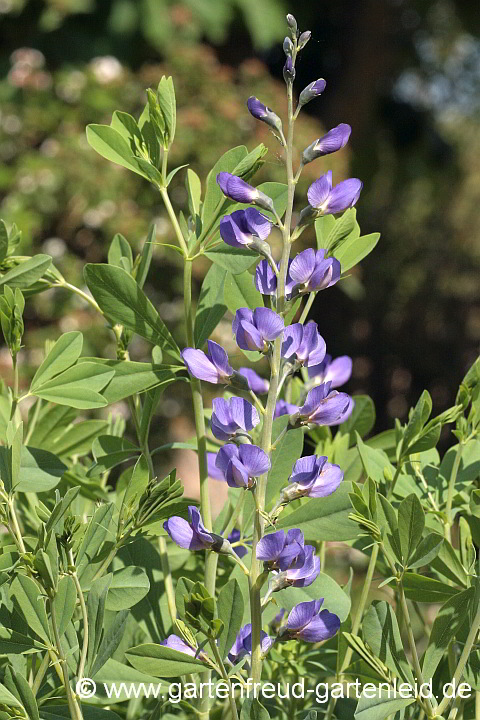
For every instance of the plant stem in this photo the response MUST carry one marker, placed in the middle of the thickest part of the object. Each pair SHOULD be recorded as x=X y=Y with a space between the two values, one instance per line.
x=167 y=579
x=74 y=707
x=307 y=307
x=90 y=300
x=223 y=672
x=463 y=659
x=235 y=515
x=451 y=490
x=15 y=526
x=15 y=386
x=256 y=579
x=83 y=607
x=174 y=221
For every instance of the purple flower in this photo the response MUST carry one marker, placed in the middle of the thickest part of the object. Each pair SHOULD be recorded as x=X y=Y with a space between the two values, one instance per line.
x=313 y=476
x=307 y=622
x=266 y=280
x=232 y=417
x=303 y=344
x=289 y=70
x=325 y=407
x=337 y=371
x=334 y=140
x=256 y=383
x=237 y=189
x=235 y=537
x=293 y=563
x=312 y=90
x=328 y=200
x=314 y=271
x=244 y=228
x=284 y=408
x=213 y=471
x=241 y=464
x=176 y=643
x=263 y=113
x=213 y=367
x=243 y=644
x=254 y=329
x=191 y=535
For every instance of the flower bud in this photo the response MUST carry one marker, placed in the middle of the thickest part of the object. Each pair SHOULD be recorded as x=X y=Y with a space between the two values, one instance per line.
x=292 y=23
x=289 y=70
x=312 y=90
x=263 y=113
x=287 y=46
x=303 y=39
x=334 y=140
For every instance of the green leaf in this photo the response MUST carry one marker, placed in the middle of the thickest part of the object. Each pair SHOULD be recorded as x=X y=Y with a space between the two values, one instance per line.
x=324 y=518
x=77 y=439
x=362 y=418
x=411 y=522
x=78 y=386
x=323 y=227
x=426 y=589
x=109 y=451
x=240 y=291
x=124 y=302
x=120 y=253
x=15 y=643
x=129 y=585
x=336 y=599
x=97 y=531
x=380 y=706
x=3 y=241
x=111 y=145
x=166 y=100
x=134 y=377
x=6 y=698
x=18 y=686
x=194 y=192
x=145 y=257
x=211 y=307
x=426 y=551
x=96 y=601
x=30 y=603
x=63 y=354
x=27 y=272
x=389 y=525
x=381 y=632
x=161 y=661
x=110 y=642
x=283 y=458
x=39 y=470
x=353 y=251
x=61 y=509
x=252 y=709
x=90 y=712
x=64 y=602
x=450 y=619
x=235 y=260
x=230 y=608
x=374 y=461
x=137 y=483
x=345 y=227
x=213 y=195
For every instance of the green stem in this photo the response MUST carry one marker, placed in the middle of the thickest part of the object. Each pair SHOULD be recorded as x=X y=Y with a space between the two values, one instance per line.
x=83 y=607
x=17 y=533
x=235 y=515
x=256 y=579
x=88 y=299
x=307 y=307
x=167 y=579
x=15 y=386
x=451 y=491
x=74 y=707
x=470 y=641
x=224 y=674
x=174 y=221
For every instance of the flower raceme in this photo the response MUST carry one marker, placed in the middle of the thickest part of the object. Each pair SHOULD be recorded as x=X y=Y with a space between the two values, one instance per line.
x=324 y=406
x=303 y=344
x=237 y=189
x=337 y=371
x=232 y=417
x=254 y=329
x=240 y=465
x=307 y=622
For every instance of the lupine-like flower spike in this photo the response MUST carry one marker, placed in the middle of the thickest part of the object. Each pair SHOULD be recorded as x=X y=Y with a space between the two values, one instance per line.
x=257 y=384
x=337 y=372
x=328 y=200
x=306 y=622
x=240 y=465
x=324 y=406
x=254 y=329
x=334 y=140
x=263 y=113
x=193 y=535
x=313 y=90
x=313 y=271
x=246 y=228
x=237 y=189
x=176 y=643
x=266 y=280
x=303 y=344
x=243 y=644
x=233 y=417
x=293 y=563
x=213 y=367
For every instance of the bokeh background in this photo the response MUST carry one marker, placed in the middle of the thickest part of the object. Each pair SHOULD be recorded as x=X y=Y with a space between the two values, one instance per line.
x=405 y=74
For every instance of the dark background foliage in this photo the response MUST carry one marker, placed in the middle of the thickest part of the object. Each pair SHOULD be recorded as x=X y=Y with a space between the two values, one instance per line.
x=404 y=74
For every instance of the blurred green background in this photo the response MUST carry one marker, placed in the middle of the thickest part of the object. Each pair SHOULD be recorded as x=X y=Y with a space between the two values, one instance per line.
x=405 y=74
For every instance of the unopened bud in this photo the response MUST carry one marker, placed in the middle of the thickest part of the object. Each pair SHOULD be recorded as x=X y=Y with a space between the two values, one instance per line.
x=303 y=39
x=287 y=46
x=292 y=23
x=289 y=70
x=312 y=90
